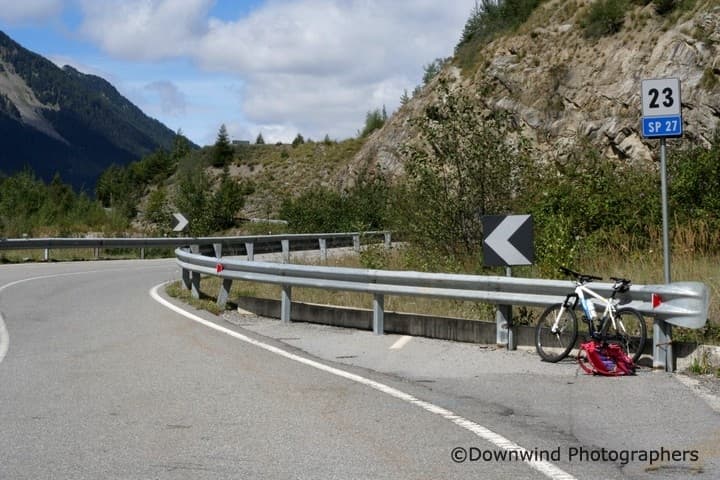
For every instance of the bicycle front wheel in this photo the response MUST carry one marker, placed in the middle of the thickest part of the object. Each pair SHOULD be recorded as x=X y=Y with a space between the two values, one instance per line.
x=555 y=344
x=630 y=331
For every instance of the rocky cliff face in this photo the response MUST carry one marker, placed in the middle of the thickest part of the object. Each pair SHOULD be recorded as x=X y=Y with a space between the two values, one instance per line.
x=564 y=88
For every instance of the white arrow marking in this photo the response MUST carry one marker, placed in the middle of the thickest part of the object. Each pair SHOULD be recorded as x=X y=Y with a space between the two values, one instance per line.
x=182 y=222
x=499 y=240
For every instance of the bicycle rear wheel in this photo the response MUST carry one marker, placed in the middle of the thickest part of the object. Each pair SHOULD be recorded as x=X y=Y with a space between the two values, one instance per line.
x=630 y=332
x=554 y=346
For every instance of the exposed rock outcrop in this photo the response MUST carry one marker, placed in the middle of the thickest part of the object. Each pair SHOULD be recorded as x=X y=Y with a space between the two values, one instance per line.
x=563 y=88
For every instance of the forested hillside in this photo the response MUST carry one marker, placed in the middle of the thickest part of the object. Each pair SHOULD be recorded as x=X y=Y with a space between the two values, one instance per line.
x=58 y=120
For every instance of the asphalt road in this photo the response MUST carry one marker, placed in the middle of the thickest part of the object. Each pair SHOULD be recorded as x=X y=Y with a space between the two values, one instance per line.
x=102 y=380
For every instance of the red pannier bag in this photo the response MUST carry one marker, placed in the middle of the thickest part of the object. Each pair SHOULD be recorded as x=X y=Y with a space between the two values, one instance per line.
x=604 y=359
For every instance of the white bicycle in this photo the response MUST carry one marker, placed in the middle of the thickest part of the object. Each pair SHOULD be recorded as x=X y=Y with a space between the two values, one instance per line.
x=556 y=332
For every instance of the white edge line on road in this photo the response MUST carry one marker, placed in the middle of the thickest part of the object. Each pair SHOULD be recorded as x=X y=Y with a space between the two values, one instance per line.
x=401 y=342
x=694 y=385
x=546 y=468
x=4 y=335
x=4 y=339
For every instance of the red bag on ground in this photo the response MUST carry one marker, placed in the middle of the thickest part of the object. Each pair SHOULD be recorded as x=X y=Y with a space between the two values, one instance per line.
x=609 y=359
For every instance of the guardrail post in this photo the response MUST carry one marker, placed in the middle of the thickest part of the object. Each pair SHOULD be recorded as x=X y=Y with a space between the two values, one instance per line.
x=378 y=314
x=356 y=243
x=285 y=303
x=195 y=285
x=285 y=251
x=186 y=278
x=663 y=356
x=505 y=334
x=387 y=240
x=250 y=251
x=323 y=249
x=47 y=254
x=195 y=276
x=224 y=292
x=218 y=250
x=142 y=253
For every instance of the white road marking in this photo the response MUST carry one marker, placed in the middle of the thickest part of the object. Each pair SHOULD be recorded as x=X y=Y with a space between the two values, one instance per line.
x=546 y=468
x=4 y=339
x=5 y=336
x=401 y=342
x=694 y=385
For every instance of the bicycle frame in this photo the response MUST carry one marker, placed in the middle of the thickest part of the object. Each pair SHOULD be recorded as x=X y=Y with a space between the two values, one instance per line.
x=580 y=295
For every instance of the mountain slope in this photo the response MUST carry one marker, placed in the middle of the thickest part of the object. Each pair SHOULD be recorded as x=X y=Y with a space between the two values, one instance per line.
x=565 y=86
x=60 y=120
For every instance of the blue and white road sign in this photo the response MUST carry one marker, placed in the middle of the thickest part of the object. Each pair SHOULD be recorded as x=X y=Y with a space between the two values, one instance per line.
x=656 y=127
x=661 y=108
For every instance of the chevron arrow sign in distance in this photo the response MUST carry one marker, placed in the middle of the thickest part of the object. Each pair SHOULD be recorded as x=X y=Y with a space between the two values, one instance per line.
x=179 y=222
x=508 y=240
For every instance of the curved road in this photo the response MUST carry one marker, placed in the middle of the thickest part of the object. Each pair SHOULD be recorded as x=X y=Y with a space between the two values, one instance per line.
x=103 y=379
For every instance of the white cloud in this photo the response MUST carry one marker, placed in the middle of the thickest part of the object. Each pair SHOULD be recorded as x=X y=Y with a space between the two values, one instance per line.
x=145 y=29
x=170 y=98
x=315 y=66
x=29 y=10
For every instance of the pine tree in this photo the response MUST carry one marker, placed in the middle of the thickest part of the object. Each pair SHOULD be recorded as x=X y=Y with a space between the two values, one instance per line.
x=222 y=150
x=260 y=140
x=299 y=140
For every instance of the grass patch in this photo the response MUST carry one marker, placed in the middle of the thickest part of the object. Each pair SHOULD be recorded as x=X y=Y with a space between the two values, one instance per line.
x=605 y=17
x=205 y=302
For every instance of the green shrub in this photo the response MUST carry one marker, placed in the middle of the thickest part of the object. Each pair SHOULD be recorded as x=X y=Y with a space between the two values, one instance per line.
x=360 y=208
x=663 y=7
x=605 y=17
x=465 y=163
x=709 y=79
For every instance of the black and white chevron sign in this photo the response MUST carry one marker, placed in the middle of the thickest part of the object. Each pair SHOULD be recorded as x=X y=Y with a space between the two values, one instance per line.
x=508 y=240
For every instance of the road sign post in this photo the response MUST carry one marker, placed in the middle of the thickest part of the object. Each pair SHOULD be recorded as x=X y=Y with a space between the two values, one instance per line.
x=508 y=241
x=662 y=118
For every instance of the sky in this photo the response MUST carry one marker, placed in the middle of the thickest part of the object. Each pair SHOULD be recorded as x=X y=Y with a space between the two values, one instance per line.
x=276 y=67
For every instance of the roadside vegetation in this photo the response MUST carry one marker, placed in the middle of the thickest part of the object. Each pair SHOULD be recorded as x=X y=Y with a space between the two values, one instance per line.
x=592 y=213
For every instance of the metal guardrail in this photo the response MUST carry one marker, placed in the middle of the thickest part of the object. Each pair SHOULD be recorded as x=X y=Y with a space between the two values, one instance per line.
x=249 y=245
x=684 y=304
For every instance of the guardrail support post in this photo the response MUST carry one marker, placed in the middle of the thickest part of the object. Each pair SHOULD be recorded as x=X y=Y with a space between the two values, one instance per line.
x=142 y=253
x=224 y=292
x=285 y=303
x=218 y=250
x=663 y=356
x=323 y=249
x=285 y=251
x=505 y=335
x=356 y=243
x=378 y=314
x=186 y=278
x=250 y=250
x=195 y=276
x=387 y=240
x=195 y=285
x=47 y=254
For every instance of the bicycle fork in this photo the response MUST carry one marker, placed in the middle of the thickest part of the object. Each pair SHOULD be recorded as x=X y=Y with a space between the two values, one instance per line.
x=555 y=329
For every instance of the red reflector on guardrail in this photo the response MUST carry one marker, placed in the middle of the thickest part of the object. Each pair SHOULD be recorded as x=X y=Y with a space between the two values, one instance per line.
x=219 y=267
x=656 y=300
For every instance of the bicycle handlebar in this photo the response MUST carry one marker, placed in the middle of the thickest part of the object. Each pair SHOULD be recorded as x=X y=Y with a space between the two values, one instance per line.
x=622 y=285
x=580 y=277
